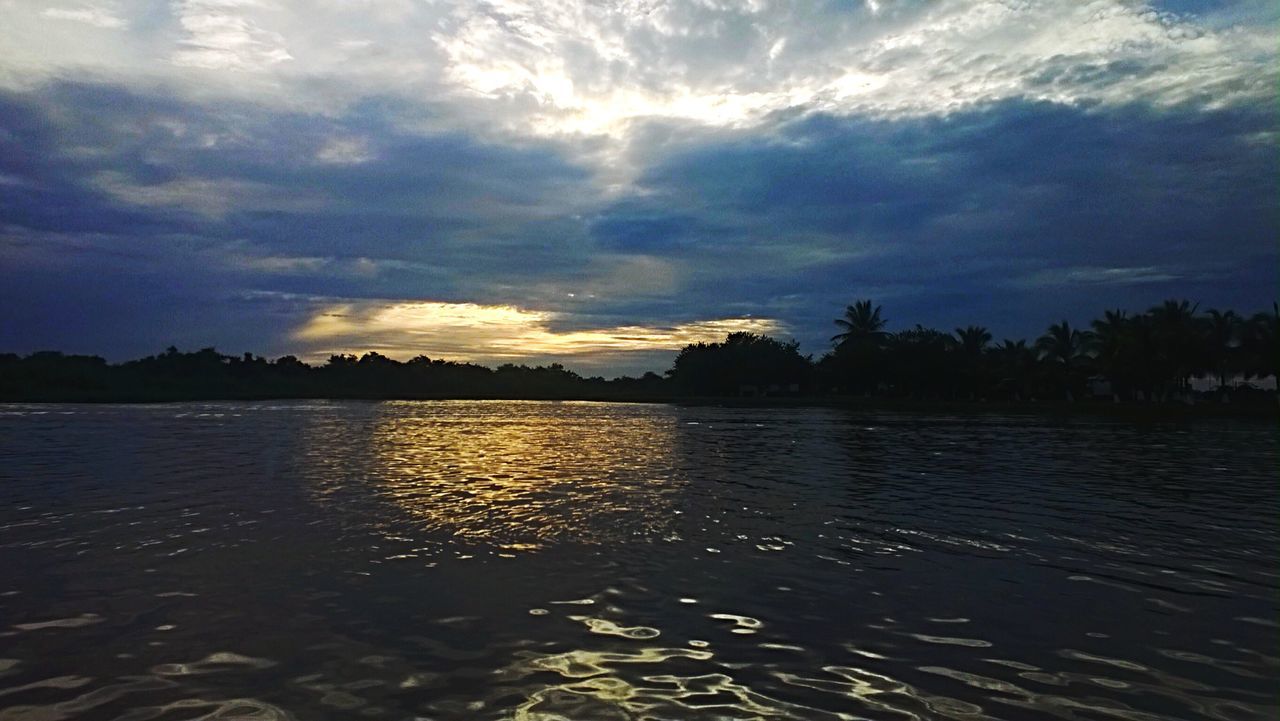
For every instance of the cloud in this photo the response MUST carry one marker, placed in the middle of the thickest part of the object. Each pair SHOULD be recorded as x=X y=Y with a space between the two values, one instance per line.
x=593 y=68
x=222 y=35
x=945 y=220
x=344 y=151
x=222 y=172
x=211 y=197
x=96 y=16
x=558 y=68
x=496 y=333
x=1099 y=276
x=959 y=218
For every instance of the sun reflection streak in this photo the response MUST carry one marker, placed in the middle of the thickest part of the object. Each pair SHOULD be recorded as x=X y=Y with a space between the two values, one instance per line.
x=509 y=478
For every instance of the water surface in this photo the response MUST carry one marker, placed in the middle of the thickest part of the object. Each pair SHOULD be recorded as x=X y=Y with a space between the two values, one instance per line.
x=496 y=560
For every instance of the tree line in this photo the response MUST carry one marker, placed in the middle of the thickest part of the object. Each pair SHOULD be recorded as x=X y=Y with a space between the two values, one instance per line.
x=208 y=374
x=1147 y=356
x=1140 y=357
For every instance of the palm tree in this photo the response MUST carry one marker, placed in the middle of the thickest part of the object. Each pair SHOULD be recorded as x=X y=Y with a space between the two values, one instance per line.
x=973 y=340
x=919 y=362
x=1112 y=345
x=1012 y=349
x=1109 y=334
x=972 y=343
x=1062 y=344
x=1015 y=363
x=861 y=322
x=1175 y=333
x=1262 y=343
x=1173 y=308
x=857 y=364
x=1221 y=336
x=1063 y=347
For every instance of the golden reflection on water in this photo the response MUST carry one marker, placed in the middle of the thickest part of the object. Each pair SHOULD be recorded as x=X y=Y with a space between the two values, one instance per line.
x=517 y=476
x=602 y=685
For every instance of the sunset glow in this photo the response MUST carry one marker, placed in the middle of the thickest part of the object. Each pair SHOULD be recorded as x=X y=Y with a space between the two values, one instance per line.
x=467 y=331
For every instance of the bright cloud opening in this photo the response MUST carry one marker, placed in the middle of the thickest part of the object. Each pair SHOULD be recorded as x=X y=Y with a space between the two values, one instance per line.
x=557 y=68
x=495 y=333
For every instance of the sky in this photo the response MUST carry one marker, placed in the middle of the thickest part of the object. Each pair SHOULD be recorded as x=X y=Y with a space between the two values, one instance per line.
x=599 y=183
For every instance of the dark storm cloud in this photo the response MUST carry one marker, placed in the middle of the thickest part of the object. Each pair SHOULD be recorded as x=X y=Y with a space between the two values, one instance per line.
x=643 y=230
x=43 y=190
x=1015 y=213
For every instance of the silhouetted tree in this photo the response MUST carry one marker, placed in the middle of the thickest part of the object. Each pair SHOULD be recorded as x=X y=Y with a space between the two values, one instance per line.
x=857 y=362
x=919 y=363
x=1015 y=366
x=1116 y=351
x=971 y=348
x=1174 y=348
x=973 y=340
x=743 y=363
x=1262 y=344
x=861 y=324
x=1222 y=345
x=1062 y=348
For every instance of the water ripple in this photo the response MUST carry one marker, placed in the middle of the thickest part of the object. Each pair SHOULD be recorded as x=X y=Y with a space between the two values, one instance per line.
x=549 y=561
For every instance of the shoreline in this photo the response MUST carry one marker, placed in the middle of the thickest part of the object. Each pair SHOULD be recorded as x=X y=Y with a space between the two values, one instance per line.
x=1133 y=411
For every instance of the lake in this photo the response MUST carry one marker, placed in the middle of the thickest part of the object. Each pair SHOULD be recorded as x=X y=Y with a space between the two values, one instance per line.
x=593 y=561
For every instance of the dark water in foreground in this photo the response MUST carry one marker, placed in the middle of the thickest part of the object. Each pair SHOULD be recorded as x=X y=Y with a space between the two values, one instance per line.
x=463 y=560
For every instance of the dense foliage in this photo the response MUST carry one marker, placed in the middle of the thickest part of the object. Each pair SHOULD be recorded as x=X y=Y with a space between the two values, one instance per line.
x=207 y=374
x=1149 y=356
x=1145 y=356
